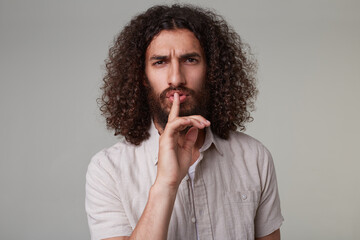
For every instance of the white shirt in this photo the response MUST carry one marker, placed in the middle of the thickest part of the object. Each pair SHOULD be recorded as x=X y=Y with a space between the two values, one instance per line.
x=235 y=194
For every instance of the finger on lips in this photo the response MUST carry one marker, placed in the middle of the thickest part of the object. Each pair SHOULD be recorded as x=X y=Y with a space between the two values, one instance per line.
x=175 y=108
x=197 y=121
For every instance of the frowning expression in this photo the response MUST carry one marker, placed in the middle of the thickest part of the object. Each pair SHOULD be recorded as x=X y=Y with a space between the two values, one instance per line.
x=175 y=62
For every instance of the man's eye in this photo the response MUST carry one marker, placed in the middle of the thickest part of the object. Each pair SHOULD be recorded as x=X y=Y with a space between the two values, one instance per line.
x=158 y=62
x=191 y=60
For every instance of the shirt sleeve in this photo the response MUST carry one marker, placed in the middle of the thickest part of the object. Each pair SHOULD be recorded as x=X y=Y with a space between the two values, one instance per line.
x=268 y=216
x=105 y=212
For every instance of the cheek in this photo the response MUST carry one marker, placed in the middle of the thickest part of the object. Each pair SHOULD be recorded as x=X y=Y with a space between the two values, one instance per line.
x=197 y=79
x=156 y=82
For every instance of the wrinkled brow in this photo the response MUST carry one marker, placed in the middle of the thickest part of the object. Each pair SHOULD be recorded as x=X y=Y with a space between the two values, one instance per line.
x=183 y=56
x=190 y=55
x=158 y=57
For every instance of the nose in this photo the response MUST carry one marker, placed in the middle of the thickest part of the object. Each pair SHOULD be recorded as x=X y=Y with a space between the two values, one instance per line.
x=176 y=77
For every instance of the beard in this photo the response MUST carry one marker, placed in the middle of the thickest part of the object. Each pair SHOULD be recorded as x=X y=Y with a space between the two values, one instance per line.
x=196 y=103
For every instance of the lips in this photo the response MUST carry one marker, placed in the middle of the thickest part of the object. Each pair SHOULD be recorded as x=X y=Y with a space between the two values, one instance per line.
x=182 y=95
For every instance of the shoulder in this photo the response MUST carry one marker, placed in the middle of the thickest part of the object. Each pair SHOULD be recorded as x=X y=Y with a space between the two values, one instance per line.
x=245 y=147
x=243 y=137
x=245 y=141
x=110 y=159
x=124 y=154
x=123 y=161
x=110 y=155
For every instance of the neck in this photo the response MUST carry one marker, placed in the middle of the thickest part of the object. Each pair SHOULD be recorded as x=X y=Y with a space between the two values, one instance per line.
x=200 y=139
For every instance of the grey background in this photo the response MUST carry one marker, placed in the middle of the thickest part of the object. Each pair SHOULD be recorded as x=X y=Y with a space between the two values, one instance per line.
x=51 y=59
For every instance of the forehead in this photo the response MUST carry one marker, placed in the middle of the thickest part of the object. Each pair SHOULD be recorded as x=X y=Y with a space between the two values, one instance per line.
x=178 y=41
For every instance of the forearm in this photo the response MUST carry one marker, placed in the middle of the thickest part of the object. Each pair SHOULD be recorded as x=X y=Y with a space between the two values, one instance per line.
x=174 y=160
x=154 y=221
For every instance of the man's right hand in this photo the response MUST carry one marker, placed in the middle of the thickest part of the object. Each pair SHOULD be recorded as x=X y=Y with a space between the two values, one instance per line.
x=176 y=148
x=175 y=158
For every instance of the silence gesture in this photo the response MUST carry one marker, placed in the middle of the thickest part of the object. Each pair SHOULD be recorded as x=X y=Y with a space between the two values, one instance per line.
x=175 y=147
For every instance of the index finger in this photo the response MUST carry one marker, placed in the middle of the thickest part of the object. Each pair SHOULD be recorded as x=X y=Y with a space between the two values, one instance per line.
x=175 y=108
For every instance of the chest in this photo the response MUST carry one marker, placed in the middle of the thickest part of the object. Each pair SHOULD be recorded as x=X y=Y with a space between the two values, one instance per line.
x=222 y=200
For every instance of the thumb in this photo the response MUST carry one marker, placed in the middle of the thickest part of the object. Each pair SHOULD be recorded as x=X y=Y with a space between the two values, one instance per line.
x=190 y=138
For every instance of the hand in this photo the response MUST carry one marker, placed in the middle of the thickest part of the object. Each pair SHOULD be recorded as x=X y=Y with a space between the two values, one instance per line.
x=176 y=149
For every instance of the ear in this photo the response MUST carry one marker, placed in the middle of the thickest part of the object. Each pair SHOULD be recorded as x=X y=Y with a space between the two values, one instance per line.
x=145 y=81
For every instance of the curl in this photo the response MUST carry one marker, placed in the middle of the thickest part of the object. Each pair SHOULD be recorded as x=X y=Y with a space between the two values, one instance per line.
x=230 y=76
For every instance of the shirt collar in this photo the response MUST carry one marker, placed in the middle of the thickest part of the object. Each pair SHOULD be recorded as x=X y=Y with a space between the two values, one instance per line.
x=210 y=139
x=153 y=142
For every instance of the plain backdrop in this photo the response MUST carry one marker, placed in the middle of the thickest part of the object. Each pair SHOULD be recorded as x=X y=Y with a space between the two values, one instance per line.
x=51 y=67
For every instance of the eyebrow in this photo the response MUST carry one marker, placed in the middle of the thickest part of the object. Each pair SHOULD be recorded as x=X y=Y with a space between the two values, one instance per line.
x=164 y=57
x=158 y=57
x=190 y=55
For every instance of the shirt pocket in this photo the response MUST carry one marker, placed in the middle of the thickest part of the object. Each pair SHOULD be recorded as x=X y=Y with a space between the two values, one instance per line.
x=240 y=209
x=243 y=197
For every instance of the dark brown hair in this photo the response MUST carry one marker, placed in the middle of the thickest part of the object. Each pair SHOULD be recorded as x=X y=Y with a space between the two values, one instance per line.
x=230 y=74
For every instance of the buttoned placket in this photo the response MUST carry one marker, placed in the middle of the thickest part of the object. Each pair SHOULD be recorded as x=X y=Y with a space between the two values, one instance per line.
x=200 y=201
x=186 y=198
x=191 y=199
x=199 y=223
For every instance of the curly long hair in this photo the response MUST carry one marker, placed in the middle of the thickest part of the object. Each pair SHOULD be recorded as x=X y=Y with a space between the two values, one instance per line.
x=230 y=75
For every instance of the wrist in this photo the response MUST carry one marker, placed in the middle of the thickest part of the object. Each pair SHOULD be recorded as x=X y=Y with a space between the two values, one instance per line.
x=163 y=189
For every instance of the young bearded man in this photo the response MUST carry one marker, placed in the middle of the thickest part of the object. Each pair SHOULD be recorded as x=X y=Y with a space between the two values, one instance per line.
x=179 y=84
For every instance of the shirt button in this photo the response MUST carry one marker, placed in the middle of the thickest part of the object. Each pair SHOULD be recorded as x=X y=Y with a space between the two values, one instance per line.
x=243 y=196
x=193 y=220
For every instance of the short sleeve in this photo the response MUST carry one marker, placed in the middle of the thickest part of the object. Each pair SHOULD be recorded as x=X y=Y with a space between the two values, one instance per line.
x=105 y=212
x=268 y=216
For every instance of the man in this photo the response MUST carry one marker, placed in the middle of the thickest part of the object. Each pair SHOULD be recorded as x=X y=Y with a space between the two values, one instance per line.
x=178 y=85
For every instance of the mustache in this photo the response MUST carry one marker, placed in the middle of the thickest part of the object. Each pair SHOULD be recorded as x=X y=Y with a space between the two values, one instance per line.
x=181 y=89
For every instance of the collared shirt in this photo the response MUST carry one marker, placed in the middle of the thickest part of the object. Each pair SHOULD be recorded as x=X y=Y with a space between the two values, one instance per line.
x=234 y=193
